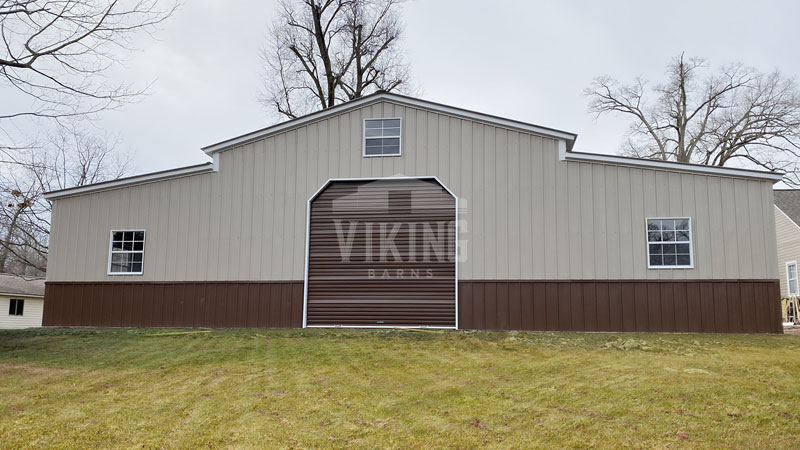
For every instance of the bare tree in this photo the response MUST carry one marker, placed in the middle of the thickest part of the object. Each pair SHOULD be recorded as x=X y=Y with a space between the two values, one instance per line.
x=736 y=115
x=57 y=52
x=70 y=158
x=324 y=52
x=55 y=55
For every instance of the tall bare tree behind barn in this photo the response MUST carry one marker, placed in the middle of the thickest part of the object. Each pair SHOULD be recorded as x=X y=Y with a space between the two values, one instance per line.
x=734 y=116
x=324 y=52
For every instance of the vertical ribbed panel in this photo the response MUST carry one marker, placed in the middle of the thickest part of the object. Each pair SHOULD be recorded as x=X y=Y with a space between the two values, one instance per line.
x=695 y=306
x=275 y=304
x=356 y=279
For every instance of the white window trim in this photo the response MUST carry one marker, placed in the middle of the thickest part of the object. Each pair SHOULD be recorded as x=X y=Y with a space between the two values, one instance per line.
x=111 y=246
x=364 y=137
x=796 y=280
x=691 y=243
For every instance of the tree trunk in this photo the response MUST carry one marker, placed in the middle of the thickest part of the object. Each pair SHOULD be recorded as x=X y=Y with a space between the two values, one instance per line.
x=7 y=240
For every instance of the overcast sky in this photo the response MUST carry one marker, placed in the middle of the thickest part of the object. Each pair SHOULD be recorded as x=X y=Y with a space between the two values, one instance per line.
x=524 y=60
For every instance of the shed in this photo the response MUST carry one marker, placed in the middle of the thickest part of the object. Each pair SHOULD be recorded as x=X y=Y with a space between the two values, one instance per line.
x=21 y=301
x=391 y=211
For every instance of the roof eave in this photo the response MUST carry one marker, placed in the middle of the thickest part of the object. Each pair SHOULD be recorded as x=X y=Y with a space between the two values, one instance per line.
x=19 y=294
x=134 y=180
x=774 y=177
x=395 y=98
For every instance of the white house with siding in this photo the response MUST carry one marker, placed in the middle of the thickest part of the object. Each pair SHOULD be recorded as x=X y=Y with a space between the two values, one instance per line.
x=787 y=217
x=21 y=301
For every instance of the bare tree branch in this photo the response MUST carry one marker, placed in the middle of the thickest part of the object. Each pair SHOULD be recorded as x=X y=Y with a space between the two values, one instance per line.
x=70 y=157
x=57 y=52
x=322 y=52
x=734 y=116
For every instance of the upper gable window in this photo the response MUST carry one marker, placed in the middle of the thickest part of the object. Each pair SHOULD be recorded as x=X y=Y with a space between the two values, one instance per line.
x=382 y=137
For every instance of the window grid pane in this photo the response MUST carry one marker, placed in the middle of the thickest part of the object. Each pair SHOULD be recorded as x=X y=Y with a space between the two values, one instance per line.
x=127 y=252
x=382 y=137
x=669 y=242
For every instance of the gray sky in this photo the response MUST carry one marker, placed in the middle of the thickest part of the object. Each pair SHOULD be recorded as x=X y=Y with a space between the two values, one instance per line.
x=526 y=60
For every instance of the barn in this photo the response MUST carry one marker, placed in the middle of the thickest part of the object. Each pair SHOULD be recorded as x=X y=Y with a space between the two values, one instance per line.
x=392 y=211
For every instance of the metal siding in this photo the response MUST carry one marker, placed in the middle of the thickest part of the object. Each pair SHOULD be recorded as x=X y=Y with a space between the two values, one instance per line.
x=226 y=304
x=520 y=208
x=612 y=259
x=719 y=306
x=627 y=259
x=341 y=291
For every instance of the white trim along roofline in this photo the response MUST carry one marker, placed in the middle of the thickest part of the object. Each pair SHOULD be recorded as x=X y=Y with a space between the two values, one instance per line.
x=136 y=179
x=395 y=98
x=568 y=155
x=565 y=140
x=24 y=296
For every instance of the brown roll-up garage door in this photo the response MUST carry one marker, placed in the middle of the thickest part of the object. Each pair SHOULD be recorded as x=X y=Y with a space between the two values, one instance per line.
x=382 y=253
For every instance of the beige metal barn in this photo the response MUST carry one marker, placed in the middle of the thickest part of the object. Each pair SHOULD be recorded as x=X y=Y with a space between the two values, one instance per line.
x=394 y=211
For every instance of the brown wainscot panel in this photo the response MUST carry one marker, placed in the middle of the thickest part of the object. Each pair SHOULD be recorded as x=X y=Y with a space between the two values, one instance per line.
x=219 y=304
x=708 y=306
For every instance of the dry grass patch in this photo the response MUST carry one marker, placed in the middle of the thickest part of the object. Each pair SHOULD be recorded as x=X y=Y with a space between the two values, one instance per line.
x=369 y=388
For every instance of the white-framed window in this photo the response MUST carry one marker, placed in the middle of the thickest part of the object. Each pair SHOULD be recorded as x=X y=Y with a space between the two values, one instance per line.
x=382 y=137
x=791 y=278
x=126 y=252
x=669 y=243
x=16 y=307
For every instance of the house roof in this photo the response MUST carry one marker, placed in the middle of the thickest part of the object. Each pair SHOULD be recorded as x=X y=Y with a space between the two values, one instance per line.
x=15 y=284
x=788 y=200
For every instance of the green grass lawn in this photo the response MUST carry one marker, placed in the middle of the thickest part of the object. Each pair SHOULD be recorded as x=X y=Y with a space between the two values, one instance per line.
x=367 y=388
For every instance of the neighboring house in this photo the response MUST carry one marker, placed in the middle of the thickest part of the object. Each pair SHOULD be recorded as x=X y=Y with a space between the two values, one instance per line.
x=354 y=216
x=21 y=301
x=787 y=216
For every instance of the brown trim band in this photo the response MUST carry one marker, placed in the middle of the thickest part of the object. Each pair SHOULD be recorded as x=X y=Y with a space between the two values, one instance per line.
x=175 y=304
x=704 y=306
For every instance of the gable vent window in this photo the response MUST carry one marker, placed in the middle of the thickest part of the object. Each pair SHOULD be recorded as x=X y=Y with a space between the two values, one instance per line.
x=16 y=306
x=126 y=254
x=669 y=243
x=382 y=137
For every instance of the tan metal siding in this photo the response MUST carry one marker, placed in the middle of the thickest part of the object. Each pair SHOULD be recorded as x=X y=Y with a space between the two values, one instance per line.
x=525 y=213
x=788 y=238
